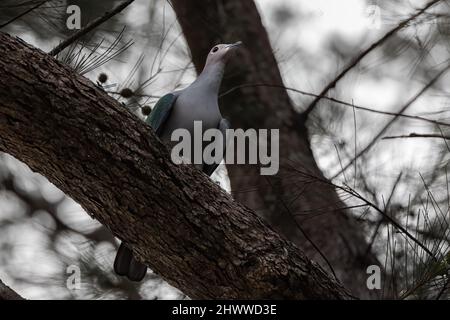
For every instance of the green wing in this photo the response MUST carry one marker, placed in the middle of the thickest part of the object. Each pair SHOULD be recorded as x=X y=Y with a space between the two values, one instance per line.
x=161 y=112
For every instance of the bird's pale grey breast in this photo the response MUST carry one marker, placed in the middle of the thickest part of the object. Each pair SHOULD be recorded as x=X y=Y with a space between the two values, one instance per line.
x=192 y=104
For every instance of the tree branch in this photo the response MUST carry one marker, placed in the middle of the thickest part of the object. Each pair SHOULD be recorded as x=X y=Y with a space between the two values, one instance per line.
x=22 y=14
x=91 y=26
x=6 y=293
x=336 y=235
x=364 y=53
x=180 y=223
x=418 y=135
x=411 y=101
x=341 y=102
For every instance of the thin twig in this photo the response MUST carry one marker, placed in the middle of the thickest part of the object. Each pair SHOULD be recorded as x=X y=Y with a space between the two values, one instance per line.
x=364 y=53
x=91 y=26
x=380 y=222
x=418 y=135
x=389 y=124
x=355 y=194
x=139 y=95
x=23 y=13
x=354 y=134
x=344 y=103
x=443 y=289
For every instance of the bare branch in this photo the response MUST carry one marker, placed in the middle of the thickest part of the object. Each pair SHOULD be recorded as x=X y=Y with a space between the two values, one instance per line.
x=341 y=102
x=91 y=26
x=358 y=196
x=23 y=14
x=360 y=56
x=391 y=122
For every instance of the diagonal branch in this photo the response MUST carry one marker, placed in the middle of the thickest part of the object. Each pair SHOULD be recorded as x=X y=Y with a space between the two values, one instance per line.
x=6 y=293
x=23 y=14
x=364 y=53
x=391 y=122
x=88 y=28
x=367 y=202
x=418 y=135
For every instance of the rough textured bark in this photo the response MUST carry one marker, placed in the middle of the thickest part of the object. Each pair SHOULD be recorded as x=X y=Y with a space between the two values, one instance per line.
x=181 y=224
x=6 y=293
x=287 y=196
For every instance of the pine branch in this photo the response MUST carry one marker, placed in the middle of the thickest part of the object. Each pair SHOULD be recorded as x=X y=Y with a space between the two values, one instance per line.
x=180 y=223
x=364 y=53
x=341 y=102
x=23 y=14
x=91 y=26
x=391 y=122
x=358 y=196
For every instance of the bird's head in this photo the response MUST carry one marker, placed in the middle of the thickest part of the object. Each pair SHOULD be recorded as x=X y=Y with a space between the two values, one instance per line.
x=221 y=53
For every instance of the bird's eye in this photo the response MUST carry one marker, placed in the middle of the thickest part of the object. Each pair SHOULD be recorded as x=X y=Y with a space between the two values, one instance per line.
x=215 y=49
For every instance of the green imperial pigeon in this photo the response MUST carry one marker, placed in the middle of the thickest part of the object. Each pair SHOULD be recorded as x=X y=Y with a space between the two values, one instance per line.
x=179 y=110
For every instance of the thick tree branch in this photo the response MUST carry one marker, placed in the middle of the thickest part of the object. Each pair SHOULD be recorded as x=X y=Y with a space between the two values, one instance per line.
x=6 y=293
x=180 y=224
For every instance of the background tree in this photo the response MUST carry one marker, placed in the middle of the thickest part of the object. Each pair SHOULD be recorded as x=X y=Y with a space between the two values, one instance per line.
x=335 y=237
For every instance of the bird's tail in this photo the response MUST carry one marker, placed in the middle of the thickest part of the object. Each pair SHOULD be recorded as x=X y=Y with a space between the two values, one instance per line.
x=126 y=265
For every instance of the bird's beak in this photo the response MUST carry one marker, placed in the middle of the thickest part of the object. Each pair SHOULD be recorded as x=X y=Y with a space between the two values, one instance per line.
x=234 y=45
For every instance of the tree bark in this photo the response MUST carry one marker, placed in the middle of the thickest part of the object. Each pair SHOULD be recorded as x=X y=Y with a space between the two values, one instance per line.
x=6 y=293
x=181 y=224
x=287 y=200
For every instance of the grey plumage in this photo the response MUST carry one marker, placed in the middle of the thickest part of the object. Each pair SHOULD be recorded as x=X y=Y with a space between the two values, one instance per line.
x=197 y=102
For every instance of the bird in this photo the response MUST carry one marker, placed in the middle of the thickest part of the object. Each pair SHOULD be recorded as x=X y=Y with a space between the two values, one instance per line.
x=179 y=109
